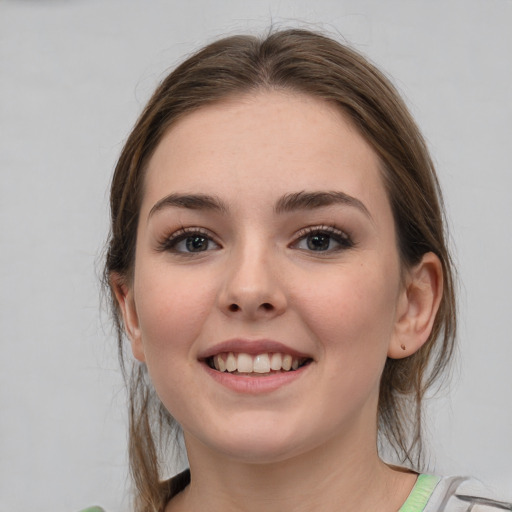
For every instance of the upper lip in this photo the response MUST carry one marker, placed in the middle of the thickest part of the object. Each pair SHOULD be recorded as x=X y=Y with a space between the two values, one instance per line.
x=252 y=347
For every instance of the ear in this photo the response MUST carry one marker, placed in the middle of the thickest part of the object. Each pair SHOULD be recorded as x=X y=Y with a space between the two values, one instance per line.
x=126 y=302
x=417 y=307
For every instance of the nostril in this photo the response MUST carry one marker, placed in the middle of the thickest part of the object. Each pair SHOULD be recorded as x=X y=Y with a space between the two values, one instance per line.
x=266 y=306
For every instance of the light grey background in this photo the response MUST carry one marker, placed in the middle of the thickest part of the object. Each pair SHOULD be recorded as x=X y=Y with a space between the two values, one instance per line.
x=73 y=77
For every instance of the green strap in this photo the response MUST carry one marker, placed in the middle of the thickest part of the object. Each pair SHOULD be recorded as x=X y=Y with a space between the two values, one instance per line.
x=420 y=494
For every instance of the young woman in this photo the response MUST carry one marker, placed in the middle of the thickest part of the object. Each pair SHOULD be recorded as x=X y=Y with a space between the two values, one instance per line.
x=278 y=263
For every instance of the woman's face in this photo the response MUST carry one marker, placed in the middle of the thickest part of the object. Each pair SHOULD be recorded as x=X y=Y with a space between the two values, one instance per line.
x=265 y=239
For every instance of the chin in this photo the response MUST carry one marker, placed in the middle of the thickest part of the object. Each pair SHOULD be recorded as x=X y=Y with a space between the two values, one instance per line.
x=261 y=443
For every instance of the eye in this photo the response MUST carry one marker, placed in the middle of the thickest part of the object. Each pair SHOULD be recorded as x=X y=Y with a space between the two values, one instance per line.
x=189 y=241
x=322 y=239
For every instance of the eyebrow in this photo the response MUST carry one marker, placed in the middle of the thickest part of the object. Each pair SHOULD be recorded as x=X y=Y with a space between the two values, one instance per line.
x=190 y=202
x=311 y=200
x=288 y=203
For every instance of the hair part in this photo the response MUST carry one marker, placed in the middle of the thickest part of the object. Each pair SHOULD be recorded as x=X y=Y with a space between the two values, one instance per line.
x=315 y=65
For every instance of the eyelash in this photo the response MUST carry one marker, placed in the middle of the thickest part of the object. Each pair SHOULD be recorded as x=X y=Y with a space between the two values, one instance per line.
x=169 y=243
x=340 y=237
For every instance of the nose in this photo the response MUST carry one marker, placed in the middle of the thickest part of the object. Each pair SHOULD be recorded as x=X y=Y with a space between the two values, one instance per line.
x=252 y=288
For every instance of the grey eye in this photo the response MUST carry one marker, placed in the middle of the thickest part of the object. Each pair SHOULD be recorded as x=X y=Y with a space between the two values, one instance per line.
x=196 y=243
x=191 y=242
x=319 y=242
x=323 y=241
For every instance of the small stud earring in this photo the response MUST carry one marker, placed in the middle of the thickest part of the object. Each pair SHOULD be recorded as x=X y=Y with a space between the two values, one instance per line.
x=402 y=346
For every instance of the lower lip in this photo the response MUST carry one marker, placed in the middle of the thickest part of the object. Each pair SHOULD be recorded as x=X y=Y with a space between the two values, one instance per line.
x=255 y=384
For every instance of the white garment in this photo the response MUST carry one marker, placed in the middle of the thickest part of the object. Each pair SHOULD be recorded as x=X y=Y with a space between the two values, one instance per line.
x=463 y=494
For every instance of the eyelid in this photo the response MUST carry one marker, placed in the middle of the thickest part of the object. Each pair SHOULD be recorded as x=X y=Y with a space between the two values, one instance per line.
x=170 y=240
x=339 y=235
x=324 y=228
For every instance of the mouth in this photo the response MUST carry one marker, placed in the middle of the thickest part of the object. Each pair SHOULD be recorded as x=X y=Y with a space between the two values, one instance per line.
x=257 y=365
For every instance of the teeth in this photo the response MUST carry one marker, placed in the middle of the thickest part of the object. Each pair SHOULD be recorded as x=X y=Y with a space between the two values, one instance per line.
x=276 y=361
x=260 y=363
x=244 y=363
x=231 y=362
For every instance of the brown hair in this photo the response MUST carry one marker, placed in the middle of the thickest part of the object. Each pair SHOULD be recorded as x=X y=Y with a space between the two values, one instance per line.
x=316 y=65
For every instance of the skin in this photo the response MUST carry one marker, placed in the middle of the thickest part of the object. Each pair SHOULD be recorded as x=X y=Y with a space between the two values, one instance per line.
x=347 y=308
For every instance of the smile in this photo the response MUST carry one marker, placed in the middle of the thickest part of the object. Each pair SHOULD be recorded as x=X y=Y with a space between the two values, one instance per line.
x=262 y=364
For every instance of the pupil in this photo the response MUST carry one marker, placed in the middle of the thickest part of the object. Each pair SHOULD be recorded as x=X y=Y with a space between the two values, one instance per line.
x=197 y=243
x=319 y=242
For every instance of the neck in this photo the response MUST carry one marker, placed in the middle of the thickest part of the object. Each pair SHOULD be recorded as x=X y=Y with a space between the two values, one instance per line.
x=339 y=475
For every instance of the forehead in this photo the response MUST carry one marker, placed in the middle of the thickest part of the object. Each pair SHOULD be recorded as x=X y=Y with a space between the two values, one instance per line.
x=289 y=140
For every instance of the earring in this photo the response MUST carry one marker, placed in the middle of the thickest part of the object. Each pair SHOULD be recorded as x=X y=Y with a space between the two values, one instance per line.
x=402 y=346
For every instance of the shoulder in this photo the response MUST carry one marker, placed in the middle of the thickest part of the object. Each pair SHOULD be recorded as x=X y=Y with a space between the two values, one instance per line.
x=464 y=494
x=169 y=488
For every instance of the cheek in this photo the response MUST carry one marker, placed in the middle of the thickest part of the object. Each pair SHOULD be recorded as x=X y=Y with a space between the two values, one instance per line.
x=351 y=316
x=352 y=309
x=171 y=308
